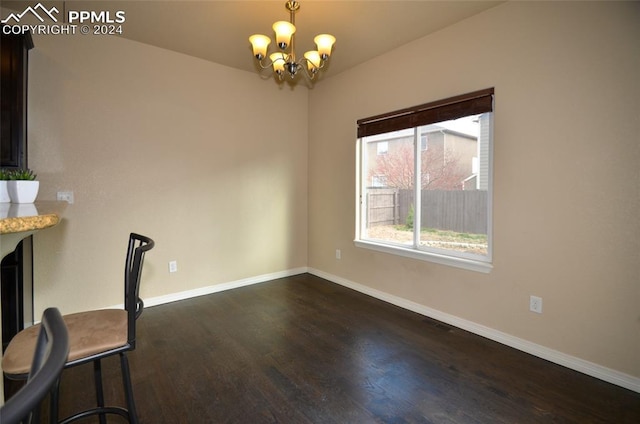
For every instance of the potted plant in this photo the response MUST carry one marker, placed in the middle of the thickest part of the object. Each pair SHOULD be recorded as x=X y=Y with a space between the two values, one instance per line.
x=23 y=186
x=4 y=193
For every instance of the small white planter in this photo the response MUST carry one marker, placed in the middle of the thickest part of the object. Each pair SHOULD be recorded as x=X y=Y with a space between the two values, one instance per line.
x=23 y=191
x=4 y=193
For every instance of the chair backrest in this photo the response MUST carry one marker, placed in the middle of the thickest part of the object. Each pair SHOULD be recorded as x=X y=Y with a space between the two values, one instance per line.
x=138 y=246
x=52 y=348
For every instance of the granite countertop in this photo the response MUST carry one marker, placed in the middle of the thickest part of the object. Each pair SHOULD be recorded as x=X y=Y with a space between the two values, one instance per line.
x=19 y=217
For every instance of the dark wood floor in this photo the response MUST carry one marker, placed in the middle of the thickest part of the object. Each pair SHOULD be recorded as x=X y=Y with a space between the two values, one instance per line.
x=304 y=350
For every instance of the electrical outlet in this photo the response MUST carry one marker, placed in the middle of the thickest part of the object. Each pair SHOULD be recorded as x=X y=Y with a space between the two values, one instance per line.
x=65 y=196
x=338 y=254
x=173 y=266
x=535 y=304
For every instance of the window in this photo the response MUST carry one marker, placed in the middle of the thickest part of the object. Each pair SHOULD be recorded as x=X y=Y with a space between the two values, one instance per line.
x=378 y=181
x=429 y=195
x=382 y=147
x=424 y=142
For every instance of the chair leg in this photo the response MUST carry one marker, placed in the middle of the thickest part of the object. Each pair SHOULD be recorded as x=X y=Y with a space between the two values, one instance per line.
x=129 y=414
x=128 y=388
x=97 y=374
x=54 y=397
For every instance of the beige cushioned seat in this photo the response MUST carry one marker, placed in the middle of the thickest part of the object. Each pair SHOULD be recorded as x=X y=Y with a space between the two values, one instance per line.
x=93 y=335
x=90 y=333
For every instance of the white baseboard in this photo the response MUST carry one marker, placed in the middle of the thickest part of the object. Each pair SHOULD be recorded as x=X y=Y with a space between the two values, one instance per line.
x=589 y=368
x=202 y=291
x=174 y=297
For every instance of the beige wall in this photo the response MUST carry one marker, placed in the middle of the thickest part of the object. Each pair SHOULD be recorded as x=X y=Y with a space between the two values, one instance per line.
x=190 y=153
x=566 y=199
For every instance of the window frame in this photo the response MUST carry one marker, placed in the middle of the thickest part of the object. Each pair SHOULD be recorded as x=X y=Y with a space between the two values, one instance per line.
x=454 y=108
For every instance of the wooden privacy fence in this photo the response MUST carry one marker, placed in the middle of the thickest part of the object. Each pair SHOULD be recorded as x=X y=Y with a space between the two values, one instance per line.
x=383 y=207
x=455 y=210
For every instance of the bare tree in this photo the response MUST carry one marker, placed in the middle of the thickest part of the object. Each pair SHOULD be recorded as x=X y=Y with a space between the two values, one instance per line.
x=440 y=170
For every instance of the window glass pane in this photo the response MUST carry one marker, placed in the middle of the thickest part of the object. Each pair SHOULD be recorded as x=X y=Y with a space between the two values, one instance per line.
x=453 y=195
x=385 y=178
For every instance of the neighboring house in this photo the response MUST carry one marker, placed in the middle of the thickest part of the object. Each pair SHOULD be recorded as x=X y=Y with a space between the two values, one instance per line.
x=449 y=159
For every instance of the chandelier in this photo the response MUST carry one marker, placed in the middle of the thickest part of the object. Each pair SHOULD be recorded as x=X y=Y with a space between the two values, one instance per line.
x=284 y=61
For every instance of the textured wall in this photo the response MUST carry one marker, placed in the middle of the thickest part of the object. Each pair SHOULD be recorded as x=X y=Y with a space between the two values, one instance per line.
x=190 y=153
x=566 y=174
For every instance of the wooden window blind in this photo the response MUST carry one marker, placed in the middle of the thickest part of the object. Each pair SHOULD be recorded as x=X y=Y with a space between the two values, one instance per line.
x=429 y=113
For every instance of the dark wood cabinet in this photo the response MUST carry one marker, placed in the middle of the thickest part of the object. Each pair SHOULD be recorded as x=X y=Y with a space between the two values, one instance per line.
x=13 y=99
x=13 y=294
x=16 y=268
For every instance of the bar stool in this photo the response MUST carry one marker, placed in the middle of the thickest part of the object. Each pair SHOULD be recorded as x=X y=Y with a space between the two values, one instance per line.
x=52 y=347
x=93 y=335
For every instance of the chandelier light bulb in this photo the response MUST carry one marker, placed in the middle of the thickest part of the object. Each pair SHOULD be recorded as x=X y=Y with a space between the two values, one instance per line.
x=260 y=43
x=313 y=60
x=325 y=43
x=284 y=31
x=278 y=59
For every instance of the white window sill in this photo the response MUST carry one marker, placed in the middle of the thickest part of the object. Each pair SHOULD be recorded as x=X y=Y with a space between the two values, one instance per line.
x=468 y=264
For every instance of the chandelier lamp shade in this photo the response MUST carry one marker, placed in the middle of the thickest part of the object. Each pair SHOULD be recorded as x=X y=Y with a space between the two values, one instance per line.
x=284 y=61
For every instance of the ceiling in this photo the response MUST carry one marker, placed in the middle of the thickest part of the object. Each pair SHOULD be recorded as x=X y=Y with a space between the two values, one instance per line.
x=218 y=31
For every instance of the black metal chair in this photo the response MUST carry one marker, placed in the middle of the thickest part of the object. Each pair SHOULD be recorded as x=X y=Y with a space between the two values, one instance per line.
x=51 y=349
x=95 y=335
